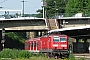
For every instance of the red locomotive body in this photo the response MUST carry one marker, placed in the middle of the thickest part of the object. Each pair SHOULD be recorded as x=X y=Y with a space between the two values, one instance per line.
x=33 y=45
x=54 y=44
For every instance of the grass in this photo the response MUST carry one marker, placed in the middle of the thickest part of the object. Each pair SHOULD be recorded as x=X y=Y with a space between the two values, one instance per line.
x=38 y=58
x=44 y=58
x=13 y=54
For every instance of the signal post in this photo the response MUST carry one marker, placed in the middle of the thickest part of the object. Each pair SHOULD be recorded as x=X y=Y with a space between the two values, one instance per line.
x=3 y=37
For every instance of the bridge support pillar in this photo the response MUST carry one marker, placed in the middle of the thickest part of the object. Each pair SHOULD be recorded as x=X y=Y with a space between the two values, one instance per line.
x=39 y=33
x=84 y=39
x=27 y=35
x=77 y=39
x=31 y=34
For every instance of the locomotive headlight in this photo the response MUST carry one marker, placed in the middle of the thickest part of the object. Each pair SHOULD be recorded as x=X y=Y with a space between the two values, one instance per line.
x=55 y=45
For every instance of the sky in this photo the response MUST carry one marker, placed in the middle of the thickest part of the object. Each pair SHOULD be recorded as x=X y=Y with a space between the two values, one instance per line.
x=30 y=6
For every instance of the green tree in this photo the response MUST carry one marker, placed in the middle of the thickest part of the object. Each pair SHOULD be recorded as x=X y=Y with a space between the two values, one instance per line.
x=40 y=13
x=19 y=36
x=54 y=7
x=77 y=6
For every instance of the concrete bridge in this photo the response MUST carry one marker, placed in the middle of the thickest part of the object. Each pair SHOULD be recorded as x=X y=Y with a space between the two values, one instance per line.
x=73 y=21
x=38 y=25
x=64 y=22
x=27 y=23
x=23 y=24
x=32 y=26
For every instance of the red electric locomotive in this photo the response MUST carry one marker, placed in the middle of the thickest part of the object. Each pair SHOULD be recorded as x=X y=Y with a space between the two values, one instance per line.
x=54 y=45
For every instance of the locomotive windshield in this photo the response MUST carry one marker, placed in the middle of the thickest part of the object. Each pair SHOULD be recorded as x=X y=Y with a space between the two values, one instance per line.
x=56 y=39
x=59 y=39
x=62 y=39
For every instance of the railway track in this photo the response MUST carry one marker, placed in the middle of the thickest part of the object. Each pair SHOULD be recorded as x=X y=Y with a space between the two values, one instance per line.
x=86 y=56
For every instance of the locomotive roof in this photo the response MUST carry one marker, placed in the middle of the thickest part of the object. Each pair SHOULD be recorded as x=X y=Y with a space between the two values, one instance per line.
x=33 y=39
x=54 y=35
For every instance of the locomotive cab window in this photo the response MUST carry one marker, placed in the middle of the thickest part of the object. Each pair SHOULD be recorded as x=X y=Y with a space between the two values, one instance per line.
x=56 y=39
x=63 y=39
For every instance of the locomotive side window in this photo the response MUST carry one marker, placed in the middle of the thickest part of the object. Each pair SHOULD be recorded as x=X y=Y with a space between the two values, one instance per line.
x=56 y=39
x=62 y=39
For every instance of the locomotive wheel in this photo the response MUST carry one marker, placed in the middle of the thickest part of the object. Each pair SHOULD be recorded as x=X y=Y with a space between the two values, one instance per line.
x=56 y=56
x=48 y=55
x=45 y=54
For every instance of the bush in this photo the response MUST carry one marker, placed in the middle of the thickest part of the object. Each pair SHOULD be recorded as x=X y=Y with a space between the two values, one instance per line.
x=71 y=57
x=24 y=54
x=9 y=53
x=14 y=53
x=39 y=55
